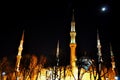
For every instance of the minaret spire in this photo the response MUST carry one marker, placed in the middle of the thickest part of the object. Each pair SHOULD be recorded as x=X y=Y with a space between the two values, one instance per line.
x=73 y=22
x=99 y=47
x=112 y=58
x=113 y=62
x=111 y=52
x=57 y=54
x=73 y=33
x=19 y=55
x=73 y=42
x=21 y=45
x=99 y=55
x=73 y=17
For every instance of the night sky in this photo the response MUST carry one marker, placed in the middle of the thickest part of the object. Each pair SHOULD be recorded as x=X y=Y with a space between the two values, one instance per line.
x=49 y=21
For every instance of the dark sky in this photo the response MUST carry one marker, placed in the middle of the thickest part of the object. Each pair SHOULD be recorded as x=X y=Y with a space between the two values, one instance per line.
x=49 y=21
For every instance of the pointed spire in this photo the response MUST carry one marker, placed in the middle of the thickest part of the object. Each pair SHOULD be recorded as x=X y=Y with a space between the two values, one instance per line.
x=97 y=34
x=73 y=17
x=112 y=58
x=57 y=54
x=23 y=35
x=98 y=42
x=111 y=52
x=98 y=38
x=19 y=52
x=73 y=22
x=21 y=44
x=99 y=47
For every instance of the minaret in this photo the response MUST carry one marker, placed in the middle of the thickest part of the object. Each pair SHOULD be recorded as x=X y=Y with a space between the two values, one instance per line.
x=99 y=48
x=113 y=65
x=99 y=54
x=19 y=53
x=112 y=58
x=73 y=43
x=57 y=54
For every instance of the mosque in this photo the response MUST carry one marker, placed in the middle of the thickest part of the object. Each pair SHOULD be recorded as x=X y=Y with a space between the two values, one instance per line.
x=82 y=69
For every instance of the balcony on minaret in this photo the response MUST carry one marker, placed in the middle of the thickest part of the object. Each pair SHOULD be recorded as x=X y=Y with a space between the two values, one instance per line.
x=73 y=35
x=72 y=26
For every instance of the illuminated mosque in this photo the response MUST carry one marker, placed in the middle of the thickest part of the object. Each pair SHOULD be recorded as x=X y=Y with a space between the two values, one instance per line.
x=82 y=69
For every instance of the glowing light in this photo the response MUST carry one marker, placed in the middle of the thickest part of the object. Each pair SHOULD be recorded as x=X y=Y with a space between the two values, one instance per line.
x=116 y=78
x=3 y=73
x=104 y=8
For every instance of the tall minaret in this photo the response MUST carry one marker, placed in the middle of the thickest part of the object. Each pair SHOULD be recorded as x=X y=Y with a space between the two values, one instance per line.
x=99 y=54
x=57 y=54
x=73 y=43
x=112 y=58
x=19 y=53
x=113 y=63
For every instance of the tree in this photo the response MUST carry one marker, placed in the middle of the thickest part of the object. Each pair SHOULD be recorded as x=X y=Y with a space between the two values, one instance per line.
x=6 y=68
